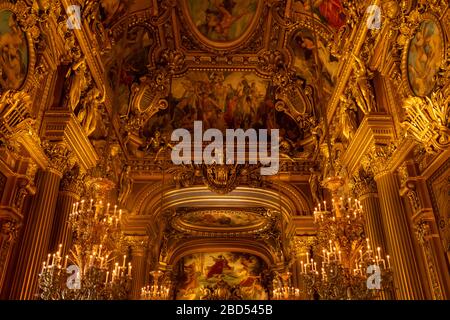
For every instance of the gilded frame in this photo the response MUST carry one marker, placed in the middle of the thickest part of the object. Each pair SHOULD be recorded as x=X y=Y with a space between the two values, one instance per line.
x=28 y=81
x=404 y=66
x=185 y=18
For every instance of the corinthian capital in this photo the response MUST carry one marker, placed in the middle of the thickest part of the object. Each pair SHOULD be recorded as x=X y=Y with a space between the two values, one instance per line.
x=138 y=245
x=72 y=181
x=59 y=157
x=364 y=183
x=377 y=158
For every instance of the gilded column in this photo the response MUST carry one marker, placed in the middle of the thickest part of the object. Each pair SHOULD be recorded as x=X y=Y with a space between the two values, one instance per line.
x=138 y=261
x=396 y=226
x=365 y=188
x=69 y=193
x=38 y=226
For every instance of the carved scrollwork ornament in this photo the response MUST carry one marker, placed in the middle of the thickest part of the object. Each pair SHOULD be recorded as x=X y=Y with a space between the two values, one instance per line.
x=173 y=60
x=270 y=61
x=423 y=234
x=15 y=110
x=427 y=121
x=9 y=230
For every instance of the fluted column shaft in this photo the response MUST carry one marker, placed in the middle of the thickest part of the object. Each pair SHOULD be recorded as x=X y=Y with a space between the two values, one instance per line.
x=61 y=233
x=406 y=271
x=374 y=222
x=374 y=227
x=138 y=272
x=36 y=236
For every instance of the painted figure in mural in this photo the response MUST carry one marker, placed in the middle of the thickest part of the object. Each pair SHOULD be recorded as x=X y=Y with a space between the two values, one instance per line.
x=305 y=49
x=424 y=57
x=219 y=18
x=330 y=11
x=12 y=43
x=220 y=265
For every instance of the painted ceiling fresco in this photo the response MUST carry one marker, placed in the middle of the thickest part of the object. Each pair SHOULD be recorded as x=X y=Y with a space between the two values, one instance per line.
x=222 y=219
x=241 y=271
x=268 y=77
x=13 y=52
x=222 y=100
x=222 y=20
x=330 y=12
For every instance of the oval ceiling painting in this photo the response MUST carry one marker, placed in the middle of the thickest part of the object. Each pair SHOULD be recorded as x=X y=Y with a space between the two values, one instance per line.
x=13 y=52
x=222 y=20
x=222 y=218
x=425 y=56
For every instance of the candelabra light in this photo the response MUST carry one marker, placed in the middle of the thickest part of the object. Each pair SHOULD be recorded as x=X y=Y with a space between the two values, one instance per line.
x=283 y=288
x=92 y=270
x=158 y=289
x=342 y=263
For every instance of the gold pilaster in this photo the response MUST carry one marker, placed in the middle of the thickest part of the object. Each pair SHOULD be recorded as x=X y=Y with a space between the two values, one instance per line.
x=69 y=193
x=396 y=226
x=37 y=231
x=365 y=189
x=138 y=261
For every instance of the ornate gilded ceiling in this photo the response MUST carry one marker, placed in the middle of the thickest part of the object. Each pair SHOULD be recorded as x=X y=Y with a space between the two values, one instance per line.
x=229 y=64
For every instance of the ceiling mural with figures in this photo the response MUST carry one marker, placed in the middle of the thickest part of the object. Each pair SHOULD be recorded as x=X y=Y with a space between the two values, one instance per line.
x=233 y=149
x=14 y=52
x=162 y=85
x=239 y=275
x=330 y=12
x=222 y=20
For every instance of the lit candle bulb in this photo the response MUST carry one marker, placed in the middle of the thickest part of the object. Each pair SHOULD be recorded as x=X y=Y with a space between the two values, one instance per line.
x=389 y=263
x=124 y=260
x=129 y=269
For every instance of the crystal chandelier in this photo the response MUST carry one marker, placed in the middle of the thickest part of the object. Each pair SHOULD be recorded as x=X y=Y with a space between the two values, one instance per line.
x=283 y=288
x=95 y=272
x=346 y=257
x=158 y=289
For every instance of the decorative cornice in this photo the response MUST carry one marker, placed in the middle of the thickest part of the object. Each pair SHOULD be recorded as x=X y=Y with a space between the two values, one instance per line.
x=63 y=126
x=375 y=128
